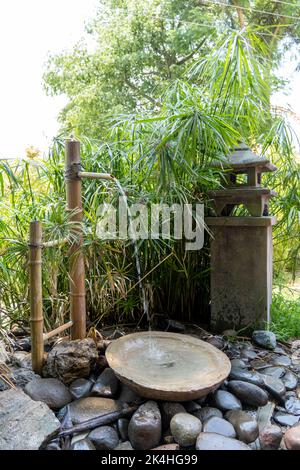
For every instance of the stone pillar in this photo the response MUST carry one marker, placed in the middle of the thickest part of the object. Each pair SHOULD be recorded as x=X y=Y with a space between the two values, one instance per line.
x=241 y=271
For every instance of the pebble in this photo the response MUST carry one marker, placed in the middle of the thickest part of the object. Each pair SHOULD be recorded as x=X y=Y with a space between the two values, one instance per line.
x=229 y=333
x=226 y=401
x=106 y=385
x=248 y=393
x=270 y=437
x=124 y=446
x=185 y=429
x=83 y=444
x=246 y=427
x=212 y=441
x=145 y=426
x=91 y=407
x=123 y=424
x=275 y=387
x=237 y=373
x=191 y=406
x=216 y=341
x=167 y=447
x=238 y=363
x=292 y=438
x=50 y=391
x=104 y=438
x=285 y=419
x=208 y=412
x=292 y=405
x=80 y=388
x=168 y=410
x=290 y=380
x=265 y=339
x=276 y=372
x=248 y=354
x=128 y=396
x=219 y=426
x=282 y=361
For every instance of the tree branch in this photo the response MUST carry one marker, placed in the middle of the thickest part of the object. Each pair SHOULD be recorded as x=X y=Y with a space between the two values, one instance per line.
x=190 y=55
x=139 y=92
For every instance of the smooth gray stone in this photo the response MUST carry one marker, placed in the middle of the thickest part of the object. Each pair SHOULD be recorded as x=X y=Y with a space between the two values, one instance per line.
x=275 y=387
x=248 y=393
x=208 y=412
x=129 y=396
x=290 y=380
x=213 y=441
x=246 y=376
x=104 y=437
x=282 y=361
x=50 y=391
x=292 y=405
x=185 y=429
x=226 y=401
x=246 y=427
x=276 y=372
x=83 y=444
x=238 y=363
x=219 y=426
x=285 y=419
x=248 y=354
x=91 y=407
x=123 y=424
x=80 y=388
x=168 y=410
x=191 y=406
x=106 y=385
x=145 y=426
x=265 y=339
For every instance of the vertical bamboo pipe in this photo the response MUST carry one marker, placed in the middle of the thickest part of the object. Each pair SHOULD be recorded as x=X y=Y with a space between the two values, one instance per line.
x=76 y=268
x=36 y=301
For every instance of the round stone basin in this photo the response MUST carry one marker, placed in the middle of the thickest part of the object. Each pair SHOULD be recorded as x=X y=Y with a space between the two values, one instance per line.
x=167 y=366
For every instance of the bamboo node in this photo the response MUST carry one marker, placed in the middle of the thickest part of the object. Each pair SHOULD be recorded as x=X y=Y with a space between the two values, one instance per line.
x=72 y=172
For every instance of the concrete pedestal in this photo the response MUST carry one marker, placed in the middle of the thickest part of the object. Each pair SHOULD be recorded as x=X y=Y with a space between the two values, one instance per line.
x=241 y=271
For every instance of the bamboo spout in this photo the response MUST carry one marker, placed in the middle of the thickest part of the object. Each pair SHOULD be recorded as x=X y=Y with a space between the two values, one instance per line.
x=96 y=176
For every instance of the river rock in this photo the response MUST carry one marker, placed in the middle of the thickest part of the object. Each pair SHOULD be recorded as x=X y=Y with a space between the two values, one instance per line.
x=168 y=410
x=265 y=339
x=284 y=361
x=106 y=385
x=80 y=388
x=20 y=377
x=248 y=393
x=191 y=406
x=276 y=372
x=208 y=412
x=219 y=426
x=25 y=424
x=226 y=401
x=124 y=446
x=270 y=437
x=123 y=424
x=51 y=391
x=167 y=447
x=21 y=359
x=185 y=429
x=285 y=419
x=129 y=396
x=70 y=360
x=292 y=438
x=212 y=441
x=216 y=341
x=237 y=373
x=91 y=407
x=245 y=426
x=238 y=363
x=4 y=357
x=290 y=380
x=292 y=405
x=144 y=428
x=104 y=438
x=79 y=436
x=275 y=387
x=83 y=444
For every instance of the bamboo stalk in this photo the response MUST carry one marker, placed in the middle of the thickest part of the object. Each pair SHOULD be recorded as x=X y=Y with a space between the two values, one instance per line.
x=57 y=331
x=36 y=302
x=76 y=269
x=96 y=176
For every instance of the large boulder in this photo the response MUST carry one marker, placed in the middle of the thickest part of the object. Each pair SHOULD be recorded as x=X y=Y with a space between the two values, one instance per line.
x=25 y=424
x=71 y=360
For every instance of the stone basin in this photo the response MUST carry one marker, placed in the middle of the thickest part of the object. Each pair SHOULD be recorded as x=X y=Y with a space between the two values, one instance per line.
x=167 y=366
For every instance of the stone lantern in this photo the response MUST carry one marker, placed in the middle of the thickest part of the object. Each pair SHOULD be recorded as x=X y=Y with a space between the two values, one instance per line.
x=241 y=246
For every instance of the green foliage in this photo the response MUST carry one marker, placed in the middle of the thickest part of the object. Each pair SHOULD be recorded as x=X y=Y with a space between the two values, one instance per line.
x=141 y=46
x=285 y=314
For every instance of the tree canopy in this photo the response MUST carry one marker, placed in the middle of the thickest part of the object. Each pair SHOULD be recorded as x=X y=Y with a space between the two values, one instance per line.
x=141 y=46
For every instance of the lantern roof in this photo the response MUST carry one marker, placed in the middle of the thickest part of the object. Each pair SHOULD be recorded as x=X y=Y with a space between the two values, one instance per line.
x=241 y=157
